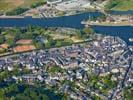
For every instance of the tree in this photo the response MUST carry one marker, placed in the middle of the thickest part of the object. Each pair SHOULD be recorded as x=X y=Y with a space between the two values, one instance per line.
x=10 y=42
x=0 y=30
x=16 y=33
x=2 y=39
x=47 y=45
x=79 y=35
x=44 y=97
x=17 y=11
x=1 y=94
x=58 y=43
x=88 y=30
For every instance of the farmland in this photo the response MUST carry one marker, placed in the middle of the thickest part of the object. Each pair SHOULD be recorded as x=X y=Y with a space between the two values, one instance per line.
x=120 y=5
x=8 y=5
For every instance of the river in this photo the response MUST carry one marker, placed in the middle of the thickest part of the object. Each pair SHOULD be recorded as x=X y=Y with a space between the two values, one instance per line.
x=73 y=21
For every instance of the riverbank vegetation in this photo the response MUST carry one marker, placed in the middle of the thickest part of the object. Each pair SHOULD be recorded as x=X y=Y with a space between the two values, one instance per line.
x=12 y=6
x=15 y=40
x=120 y=5
x=17 y=11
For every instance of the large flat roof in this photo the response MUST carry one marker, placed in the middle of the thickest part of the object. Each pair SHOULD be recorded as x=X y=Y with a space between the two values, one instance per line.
x=53 y=0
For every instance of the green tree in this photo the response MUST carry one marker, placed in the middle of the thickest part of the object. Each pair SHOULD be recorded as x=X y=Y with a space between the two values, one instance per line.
x=2 y=39
x=58 y=43
x=10 y=42
x=88 y=30
x=47 y=45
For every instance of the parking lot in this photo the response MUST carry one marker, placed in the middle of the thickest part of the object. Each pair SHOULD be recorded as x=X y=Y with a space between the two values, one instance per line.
x=71 y=5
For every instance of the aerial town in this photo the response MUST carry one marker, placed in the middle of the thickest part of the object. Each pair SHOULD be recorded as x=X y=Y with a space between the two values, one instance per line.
x=66 y=50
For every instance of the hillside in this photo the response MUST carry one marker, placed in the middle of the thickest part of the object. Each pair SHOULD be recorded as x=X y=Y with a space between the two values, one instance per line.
x=8 y=5
x=120 y=5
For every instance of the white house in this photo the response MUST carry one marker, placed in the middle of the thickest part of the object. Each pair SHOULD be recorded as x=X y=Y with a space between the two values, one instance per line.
x=51 y=2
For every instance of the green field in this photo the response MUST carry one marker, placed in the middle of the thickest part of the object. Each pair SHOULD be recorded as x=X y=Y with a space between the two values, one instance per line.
x=120 y=5
x=8 y=5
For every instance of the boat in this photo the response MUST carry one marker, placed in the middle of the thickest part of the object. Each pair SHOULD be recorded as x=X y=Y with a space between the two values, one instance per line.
x=131 y=39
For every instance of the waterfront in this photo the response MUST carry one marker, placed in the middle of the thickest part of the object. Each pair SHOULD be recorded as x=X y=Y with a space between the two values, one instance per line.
x=129 y=12
x=60 y=72
x=124 y=32
x=73 y=21
x=58 y=78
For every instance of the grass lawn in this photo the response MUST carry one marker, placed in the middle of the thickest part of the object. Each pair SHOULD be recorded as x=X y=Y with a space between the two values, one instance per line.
x=8 y=5
x=121 y=5
x=74 y=39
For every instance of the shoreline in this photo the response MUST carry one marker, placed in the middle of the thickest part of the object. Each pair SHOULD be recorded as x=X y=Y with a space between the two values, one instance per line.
x=106 y=24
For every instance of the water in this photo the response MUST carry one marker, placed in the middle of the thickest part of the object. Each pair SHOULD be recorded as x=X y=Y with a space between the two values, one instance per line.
x=124 y=32
x=73 y=21
x=129 y=12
